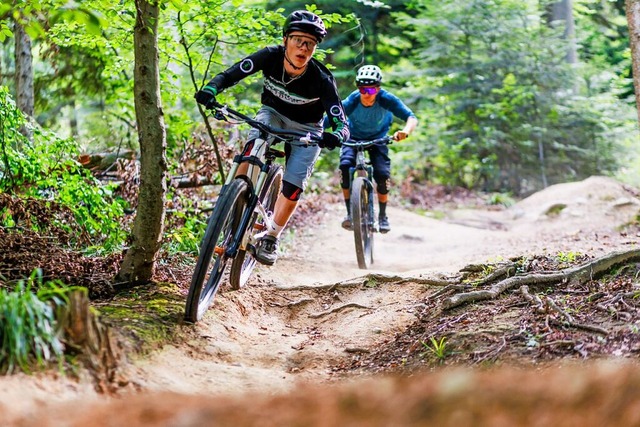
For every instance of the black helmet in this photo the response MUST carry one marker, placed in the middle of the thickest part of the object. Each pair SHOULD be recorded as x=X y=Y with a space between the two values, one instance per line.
x=369 y=75
x=307 y=22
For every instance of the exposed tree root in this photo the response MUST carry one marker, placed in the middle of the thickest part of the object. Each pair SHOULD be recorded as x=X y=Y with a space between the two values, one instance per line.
x=293 y=303
x=575 y=275
x=373 y=279
x=573 y=324
x=336 y=309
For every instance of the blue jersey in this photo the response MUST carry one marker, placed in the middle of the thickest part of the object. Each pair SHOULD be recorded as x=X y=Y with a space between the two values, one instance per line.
x=366 y=123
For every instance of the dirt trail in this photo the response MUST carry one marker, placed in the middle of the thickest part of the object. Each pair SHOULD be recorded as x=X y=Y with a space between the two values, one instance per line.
x=254 y=342
x=268 y=339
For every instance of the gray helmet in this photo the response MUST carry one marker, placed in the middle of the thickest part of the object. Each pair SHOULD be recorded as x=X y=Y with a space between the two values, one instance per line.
x=307 y=22
x=369 y=75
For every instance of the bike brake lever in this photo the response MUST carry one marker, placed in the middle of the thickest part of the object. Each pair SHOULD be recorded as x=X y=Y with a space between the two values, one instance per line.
x=219 y=115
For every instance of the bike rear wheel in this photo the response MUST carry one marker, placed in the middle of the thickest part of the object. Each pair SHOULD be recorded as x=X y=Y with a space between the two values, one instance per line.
x=244 y=263
x=212 y=259
x=363 y=221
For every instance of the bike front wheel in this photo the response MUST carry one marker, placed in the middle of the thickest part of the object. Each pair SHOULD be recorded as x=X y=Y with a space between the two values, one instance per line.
x=363 y=221
x=212 y=259
x=244 y=263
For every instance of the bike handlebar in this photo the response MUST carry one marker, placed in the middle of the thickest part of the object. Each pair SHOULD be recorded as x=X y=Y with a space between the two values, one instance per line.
x=222 y=111
x=368 y=143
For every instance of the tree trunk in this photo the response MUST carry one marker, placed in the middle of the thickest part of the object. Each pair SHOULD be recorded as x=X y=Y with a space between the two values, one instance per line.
x=139 y=262
x=24 y=74
x=561 y=13
x=633 y=18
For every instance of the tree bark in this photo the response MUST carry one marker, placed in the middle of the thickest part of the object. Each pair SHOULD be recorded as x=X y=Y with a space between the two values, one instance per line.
x=139 y=262
x=633 y=19
x=24 y=74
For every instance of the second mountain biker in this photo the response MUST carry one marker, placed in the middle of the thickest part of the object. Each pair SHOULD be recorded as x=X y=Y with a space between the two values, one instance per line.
x=298 y=91
x=370 y=110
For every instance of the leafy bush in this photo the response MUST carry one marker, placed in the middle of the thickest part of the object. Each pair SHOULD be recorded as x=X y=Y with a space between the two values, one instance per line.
x=28 y=333
x=46 y=168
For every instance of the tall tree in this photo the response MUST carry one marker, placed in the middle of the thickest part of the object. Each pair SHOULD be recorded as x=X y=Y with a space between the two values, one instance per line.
x=24 y=74
x=139 y=262
x=561 y=13
x=633 y=17
x=24 y=70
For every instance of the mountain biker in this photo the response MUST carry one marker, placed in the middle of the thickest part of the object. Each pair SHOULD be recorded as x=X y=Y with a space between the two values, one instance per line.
x=370 y=110
x=298 y=90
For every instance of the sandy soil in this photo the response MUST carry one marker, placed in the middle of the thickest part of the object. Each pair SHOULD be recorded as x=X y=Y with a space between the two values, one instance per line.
x=277 y=334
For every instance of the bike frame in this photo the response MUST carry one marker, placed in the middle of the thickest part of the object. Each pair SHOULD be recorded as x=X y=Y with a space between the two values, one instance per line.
x=363 y=169
x=268 y=135
x=238 y=239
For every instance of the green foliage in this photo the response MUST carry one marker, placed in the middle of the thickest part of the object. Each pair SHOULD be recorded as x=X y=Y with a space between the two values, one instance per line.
x=510 y=114
x=567 y=257
x=436 y=347
x=28 y=332
x=46 y=169
x=186 y=234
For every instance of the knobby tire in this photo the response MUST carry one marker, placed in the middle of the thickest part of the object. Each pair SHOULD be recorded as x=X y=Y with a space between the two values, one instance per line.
x=244 y=262
x=211 y=263
x=362 y=221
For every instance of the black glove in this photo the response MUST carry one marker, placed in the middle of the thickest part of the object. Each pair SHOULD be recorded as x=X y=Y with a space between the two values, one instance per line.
x=329 y=141
x=207 y=95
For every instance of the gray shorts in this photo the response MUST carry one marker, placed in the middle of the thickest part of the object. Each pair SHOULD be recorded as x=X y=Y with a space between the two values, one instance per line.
x=302 y=157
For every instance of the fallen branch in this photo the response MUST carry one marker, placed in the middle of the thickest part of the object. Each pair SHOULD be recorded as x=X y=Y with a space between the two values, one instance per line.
x=575 y=275
x=336 y=309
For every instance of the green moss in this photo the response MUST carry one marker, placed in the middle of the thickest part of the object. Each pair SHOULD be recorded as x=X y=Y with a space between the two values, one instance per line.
x=148 y=315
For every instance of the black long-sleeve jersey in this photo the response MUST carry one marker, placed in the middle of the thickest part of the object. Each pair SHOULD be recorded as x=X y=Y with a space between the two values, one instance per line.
x=303 y=99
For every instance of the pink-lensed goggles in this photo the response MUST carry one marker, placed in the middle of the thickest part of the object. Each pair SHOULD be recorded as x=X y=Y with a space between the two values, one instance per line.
x=368 y=90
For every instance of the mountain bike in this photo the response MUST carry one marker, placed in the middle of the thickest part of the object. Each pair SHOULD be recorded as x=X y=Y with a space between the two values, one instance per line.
x=361 y=190
x=241 y=215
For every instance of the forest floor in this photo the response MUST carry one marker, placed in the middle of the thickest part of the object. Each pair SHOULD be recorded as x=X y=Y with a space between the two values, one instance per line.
x=314 y=340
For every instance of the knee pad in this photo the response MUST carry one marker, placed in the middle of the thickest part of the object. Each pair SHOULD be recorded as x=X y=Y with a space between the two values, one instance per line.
x=291 y=192
x=382 y=184
x=345 y=177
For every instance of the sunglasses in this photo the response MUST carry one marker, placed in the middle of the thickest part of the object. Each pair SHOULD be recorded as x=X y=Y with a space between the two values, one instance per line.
x=368 y=90
x=303 y=41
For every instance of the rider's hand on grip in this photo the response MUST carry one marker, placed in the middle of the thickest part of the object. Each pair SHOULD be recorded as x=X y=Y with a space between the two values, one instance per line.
x=329 y=141
x=400 y=135
x=207 y=96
